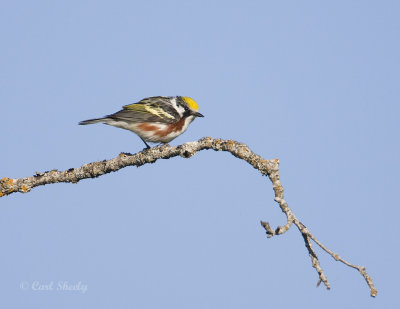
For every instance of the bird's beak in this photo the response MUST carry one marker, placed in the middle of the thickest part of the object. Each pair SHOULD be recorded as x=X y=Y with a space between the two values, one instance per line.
x=197 y=114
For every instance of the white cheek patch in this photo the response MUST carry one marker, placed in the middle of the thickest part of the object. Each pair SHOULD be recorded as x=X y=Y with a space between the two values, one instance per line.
x=177 y=107
x=188 y=120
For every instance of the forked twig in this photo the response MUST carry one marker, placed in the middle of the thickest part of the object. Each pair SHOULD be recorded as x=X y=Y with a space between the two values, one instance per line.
x=268 y=168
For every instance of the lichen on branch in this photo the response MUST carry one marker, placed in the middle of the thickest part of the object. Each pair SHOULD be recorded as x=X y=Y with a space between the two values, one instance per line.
x=268 y=168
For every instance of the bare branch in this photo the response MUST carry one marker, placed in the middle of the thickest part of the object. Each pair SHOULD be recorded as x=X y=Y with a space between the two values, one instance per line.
x=268 y=168
x=361 y=269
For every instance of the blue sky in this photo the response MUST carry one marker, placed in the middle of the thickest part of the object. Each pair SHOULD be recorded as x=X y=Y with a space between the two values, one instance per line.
x=313 y=83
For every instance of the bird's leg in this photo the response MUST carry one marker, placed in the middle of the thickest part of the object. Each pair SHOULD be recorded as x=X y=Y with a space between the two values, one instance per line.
x=147 y=145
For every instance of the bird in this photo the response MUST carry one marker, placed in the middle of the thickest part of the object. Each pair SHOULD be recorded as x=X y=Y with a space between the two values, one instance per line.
x=158 y=119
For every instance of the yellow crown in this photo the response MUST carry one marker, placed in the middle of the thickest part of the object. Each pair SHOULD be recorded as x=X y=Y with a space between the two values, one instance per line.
x=191 y=103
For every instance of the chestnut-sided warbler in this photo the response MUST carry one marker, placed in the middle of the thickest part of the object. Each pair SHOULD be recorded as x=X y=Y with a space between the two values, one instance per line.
x=154 y=119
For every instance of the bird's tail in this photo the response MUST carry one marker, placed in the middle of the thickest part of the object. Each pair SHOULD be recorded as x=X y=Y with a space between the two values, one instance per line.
x=91 y=121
